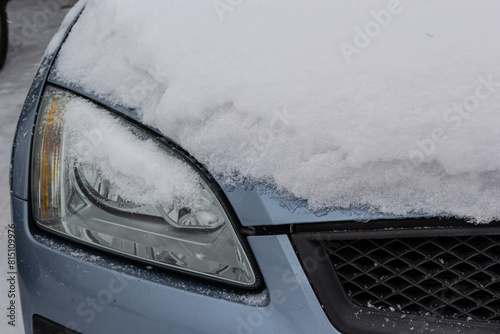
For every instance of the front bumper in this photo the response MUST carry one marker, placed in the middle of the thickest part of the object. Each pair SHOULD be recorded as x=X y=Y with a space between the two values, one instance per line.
x=93 y=293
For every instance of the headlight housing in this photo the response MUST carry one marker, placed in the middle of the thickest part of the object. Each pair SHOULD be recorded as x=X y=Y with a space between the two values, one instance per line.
x=159 y=208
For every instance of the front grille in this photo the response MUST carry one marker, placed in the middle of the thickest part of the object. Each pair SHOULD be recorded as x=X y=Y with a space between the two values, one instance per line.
x=445 y=277
x=433 y=275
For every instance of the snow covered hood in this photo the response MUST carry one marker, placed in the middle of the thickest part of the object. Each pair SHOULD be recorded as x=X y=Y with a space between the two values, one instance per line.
x=391 y=106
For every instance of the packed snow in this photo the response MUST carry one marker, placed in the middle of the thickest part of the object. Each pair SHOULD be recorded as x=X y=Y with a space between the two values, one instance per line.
x=387 y=105
x=135 y=180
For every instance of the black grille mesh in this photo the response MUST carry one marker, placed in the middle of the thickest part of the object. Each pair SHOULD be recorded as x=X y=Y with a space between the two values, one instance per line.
x=446 y=277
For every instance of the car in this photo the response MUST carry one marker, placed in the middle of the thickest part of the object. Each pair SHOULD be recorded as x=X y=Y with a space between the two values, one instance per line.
x=141 y=205
x=4 y=34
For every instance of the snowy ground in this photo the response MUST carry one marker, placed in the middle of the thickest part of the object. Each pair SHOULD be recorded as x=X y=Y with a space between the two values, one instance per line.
x=32 y=24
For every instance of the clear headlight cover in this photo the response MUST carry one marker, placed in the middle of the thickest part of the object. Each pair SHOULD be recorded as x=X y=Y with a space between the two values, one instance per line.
x=75 y=199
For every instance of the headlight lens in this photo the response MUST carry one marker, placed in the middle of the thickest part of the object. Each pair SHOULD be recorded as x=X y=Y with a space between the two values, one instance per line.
x=80 y=193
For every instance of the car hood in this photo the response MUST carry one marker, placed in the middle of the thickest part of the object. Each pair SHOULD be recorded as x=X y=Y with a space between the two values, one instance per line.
x=279 y=103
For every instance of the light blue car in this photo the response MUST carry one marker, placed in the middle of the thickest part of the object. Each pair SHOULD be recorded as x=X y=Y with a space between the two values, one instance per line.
x=247 y=261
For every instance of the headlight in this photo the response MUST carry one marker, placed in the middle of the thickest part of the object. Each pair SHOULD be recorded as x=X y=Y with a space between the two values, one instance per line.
x=117 y=187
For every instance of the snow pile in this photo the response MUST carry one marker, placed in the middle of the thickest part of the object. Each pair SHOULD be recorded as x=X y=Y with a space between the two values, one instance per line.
x=58 y=38
x=142 y=172
x=391 y=105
